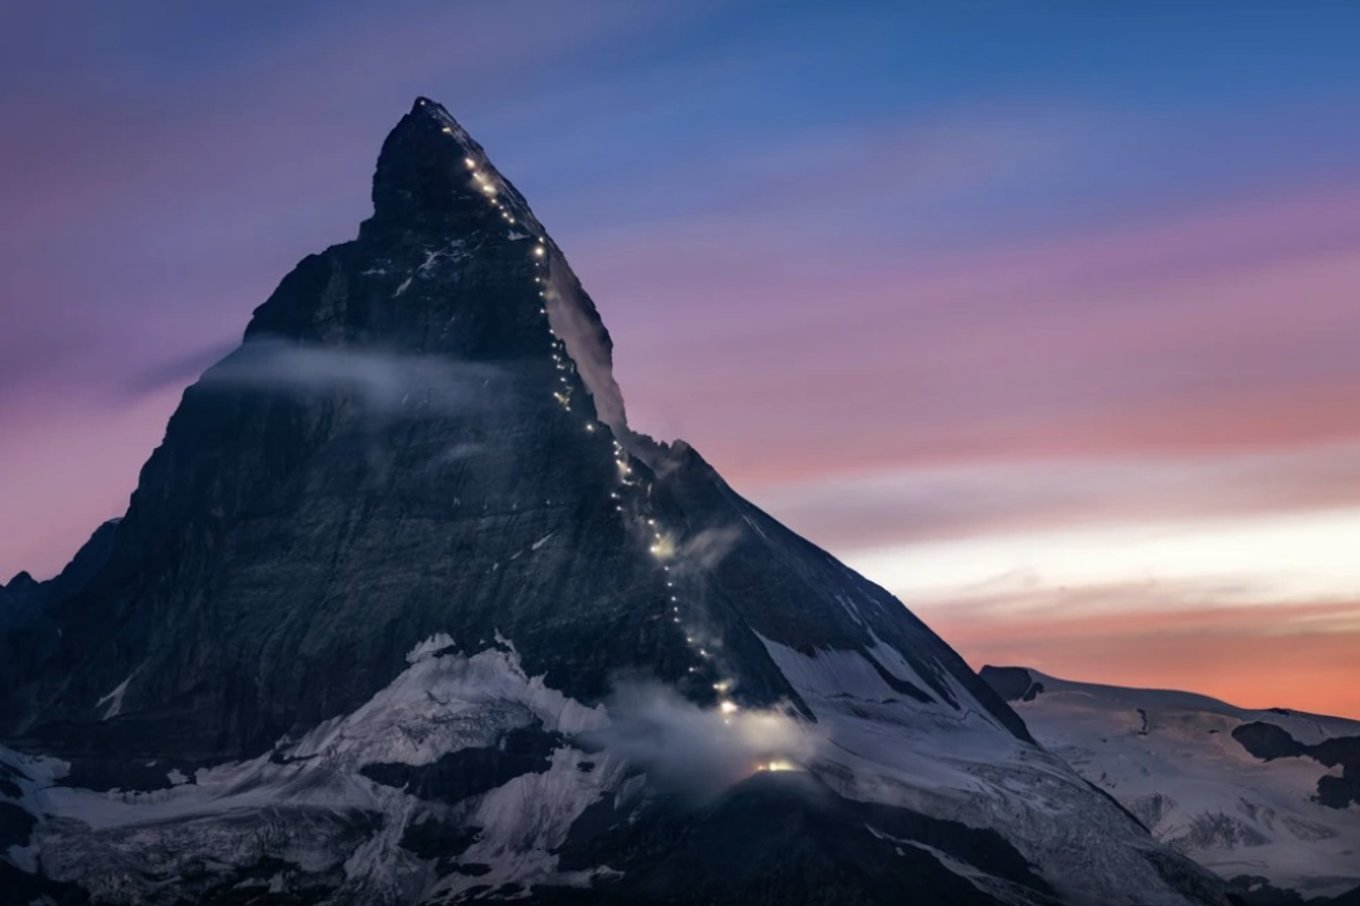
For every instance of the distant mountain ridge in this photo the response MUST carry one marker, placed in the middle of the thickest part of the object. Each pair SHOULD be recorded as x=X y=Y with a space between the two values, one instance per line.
x=1266 y=797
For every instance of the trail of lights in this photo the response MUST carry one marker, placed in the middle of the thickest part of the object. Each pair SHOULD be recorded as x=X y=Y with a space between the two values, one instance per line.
x=661 y=545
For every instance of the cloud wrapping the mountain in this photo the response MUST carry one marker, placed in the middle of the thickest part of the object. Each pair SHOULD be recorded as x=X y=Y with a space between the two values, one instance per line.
x=698 y=752
x=382 y=382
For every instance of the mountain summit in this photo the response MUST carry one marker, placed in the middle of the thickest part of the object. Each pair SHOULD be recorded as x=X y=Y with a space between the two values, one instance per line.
x=402 y=611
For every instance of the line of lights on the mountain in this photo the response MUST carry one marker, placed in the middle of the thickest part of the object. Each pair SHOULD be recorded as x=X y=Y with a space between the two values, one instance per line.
x=661 y=548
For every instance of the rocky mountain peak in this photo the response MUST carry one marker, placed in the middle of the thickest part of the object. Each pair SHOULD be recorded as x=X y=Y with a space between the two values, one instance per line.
x=22 y=581
x=437 y=200
x=431 y=173
x=401 y=611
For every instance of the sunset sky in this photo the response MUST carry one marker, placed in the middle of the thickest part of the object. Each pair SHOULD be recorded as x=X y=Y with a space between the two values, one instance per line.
x=1044 y=315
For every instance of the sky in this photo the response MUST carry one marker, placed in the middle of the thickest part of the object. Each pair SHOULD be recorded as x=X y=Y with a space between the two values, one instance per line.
x=1044 y=315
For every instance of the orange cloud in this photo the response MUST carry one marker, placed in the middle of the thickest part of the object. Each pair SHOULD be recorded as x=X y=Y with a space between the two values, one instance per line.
x=1294 y=656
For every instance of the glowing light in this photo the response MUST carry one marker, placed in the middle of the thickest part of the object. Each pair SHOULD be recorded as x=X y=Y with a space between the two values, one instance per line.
x=446 y=130
x=722 y=686
x=727 y=707
x=471 y=164
x=490 y=190
x=540 y=251
x=777 y=764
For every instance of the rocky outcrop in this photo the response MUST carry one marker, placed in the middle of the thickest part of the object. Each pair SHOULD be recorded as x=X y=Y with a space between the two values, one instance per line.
x=1267 y=742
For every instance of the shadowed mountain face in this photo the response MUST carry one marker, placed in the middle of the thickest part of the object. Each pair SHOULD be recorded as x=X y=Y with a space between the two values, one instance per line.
x=368 y=629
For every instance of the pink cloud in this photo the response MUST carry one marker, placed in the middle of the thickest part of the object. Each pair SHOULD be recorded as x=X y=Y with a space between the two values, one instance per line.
x=1101 y=346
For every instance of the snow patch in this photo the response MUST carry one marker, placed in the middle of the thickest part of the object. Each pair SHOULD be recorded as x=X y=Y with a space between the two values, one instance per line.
x=113 y=702
x=428 y=648
x=527 y=819
x=1170 y=757
x=443 y=703
x=308 y=803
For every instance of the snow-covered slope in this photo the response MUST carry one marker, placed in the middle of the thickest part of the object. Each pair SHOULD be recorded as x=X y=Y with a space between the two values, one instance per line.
x=1219 y=783
x=402 y=611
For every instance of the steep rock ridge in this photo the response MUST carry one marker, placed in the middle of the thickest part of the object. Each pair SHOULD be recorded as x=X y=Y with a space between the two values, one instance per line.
x=358 y=637
x=1257 y=796
x=28 y=629
x=24 y=597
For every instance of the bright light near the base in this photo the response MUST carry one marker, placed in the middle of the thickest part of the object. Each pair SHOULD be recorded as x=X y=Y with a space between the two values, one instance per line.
x=727 y=707
x=777 y=764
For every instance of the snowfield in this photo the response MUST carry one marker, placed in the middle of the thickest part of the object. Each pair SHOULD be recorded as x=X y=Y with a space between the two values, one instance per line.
x=1171 y=758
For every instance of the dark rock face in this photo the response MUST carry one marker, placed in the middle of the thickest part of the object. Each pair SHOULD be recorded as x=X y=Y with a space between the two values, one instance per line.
x=28 y=628
x=829 y=850
x=409 y=511
x=1013 y=684
x=16 y=824
x=467 y=772
x=1267 y=741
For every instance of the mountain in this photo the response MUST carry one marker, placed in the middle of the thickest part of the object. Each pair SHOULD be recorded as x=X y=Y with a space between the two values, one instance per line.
x=23 y=599
x=403 y=611
x=1269 y=799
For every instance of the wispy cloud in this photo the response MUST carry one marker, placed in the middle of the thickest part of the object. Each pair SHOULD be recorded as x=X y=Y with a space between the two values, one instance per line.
x=695 y=751
x=381 y=382
x=989 y=497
